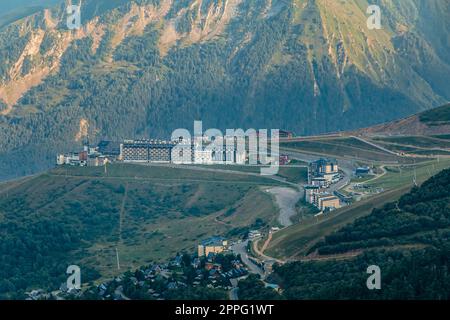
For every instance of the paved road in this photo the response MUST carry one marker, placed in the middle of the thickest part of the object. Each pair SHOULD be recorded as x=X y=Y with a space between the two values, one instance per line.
x=241 y=249
x=348 y=173
x=375 y=145
x=234 y=294
x=119 y=293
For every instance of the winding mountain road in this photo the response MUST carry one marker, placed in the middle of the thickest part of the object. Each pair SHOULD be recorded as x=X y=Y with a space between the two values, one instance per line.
x=241 y=249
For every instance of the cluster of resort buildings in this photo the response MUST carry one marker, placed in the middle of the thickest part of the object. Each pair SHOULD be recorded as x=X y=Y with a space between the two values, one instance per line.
x=163 y=152
x=103 y=153
x=321 y=175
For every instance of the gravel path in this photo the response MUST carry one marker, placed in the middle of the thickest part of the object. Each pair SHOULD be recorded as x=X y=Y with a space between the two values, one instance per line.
x=286 y=199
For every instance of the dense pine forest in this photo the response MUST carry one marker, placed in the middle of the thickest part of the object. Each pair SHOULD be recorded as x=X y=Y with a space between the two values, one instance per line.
x=143 y=68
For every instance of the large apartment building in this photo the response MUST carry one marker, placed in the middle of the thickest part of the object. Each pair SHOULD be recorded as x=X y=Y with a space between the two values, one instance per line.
x=146 y=151
x=327 y=202
x=153 y=151
x=324 y=166
x=212 y=245
x=321 y=199
x=323 y=172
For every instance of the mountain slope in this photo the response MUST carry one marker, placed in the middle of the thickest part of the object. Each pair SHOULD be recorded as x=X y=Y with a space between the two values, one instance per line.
x=420 y=217
x=85 y=216
x=407 y=239
x=143 y=68
x=433 y=122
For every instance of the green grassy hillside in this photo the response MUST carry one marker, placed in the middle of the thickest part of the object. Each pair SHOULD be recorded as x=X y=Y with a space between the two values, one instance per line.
x=437 y=116
x=421 y=217
x=296 y=241
x=417 y=141
x=345 y=147
x=82 y=215
x=408 y=239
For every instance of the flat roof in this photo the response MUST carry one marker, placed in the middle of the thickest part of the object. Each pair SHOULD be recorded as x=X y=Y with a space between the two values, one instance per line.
x=213 y=241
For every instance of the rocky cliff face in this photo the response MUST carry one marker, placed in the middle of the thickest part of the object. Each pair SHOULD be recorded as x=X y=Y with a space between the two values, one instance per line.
x=140 y=68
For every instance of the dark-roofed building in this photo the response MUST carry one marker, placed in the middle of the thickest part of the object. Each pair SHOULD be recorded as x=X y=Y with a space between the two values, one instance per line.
x=323 y=168
x=146 y=151
x=109 y=148
x=362 y=171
